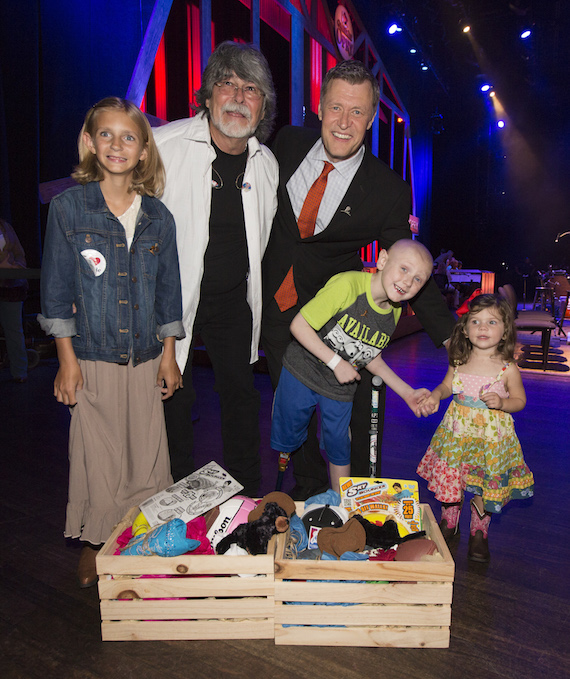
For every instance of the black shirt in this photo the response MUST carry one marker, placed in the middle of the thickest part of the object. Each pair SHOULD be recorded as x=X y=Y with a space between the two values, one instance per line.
x=226 y=260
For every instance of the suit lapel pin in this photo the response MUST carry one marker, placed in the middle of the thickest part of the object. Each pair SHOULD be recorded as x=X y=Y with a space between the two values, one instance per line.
x=346 y=211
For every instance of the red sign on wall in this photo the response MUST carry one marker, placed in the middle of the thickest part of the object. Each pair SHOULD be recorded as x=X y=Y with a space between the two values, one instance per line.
x=343 y=32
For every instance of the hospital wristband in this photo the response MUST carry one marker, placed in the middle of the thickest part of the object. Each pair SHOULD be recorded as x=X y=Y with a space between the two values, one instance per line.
x=335 y=360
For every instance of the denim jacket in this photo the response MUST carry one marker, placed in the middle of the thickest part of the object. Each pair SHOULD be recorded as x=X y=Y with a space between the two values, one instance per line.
x=127 y=300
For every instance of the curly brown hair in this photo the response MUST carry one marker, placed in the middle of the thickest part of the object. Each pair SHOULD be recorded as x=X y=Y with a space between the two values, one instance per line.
x=148 y=175
x=460 y=347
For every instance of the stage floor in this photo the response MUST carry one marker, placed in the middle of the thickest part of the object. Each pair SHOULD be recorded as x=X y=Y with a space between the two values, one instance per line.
x=509 y=618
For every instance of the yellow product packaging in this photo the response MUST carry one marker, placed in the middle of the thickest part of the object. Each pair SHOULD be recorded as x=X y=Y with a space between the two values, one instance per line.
x=379 y=499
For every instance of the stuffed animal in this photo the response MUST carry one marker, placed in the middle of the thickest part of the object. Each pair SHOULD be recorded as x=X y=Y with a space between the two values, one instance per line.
x=282 y=499
x=255 y=535
x=385 y=536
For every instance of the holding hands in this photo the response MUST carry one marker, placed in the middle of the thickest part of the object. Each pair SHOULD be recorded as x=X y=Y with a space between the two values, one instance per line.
x=422 y=402
x=428 y=405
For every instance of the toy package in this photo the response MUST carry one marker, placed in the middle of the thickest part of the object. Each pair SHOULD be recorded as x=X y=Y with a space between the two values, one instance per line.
x=192 y=496
x=379 y=499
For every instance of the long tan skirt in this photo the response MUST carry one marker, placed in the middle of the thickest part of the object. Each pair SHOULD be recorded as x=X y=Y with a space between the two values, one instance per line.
x=118 y=451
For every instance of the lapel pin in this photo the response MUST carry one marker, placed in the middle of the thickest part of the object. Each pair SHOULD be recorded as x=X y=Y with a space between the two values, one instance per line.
x=346 y=211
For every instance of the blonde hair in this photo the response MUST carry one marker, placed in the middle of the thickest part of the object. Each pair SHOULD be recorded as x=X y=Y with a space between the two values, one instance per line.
x=148 y=175
x=460 y=347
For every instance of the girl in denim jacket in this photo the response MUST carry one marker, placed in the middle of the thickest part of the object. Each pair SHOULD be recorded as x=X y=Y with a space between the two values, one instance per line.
x=111 y=297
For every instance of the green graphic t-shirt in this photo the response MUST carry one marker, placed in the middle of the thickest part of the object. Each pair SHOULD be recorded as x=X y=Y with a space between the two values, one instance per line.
x=347 y=320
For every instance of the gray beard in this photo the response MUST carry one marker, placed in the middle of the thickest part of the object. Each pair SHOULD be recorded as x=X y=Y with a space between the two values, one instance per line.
x=234 y=130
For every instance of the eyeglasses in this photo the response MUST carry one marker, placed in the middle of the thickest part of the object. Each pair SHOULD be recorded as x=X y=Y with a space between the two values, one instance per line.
x=229 y=88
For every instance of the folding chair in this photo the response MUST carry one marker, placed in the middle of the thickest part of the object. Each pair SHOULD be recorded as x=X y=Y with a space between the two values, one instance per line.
x=532 y=321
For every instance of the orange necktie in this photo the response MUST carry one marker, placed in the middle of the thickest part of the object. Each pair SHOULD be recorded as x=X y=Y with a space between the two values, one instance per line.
x=286 y=296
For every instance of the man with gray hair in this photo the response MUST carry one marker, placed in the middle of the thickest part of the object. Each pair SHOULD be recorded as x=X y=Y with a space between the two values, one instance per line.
x=354 y=199
x=221 y=185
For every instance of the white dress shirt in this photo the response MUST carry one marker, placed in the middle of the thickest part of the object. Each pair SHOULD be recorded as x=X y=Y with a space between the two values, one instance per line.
x=337 y=184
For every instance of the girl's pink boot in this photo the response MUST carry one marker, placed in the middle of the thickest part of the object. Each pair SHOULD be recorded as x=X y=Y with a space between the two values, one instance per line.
x=478 y=538
x=449 y=524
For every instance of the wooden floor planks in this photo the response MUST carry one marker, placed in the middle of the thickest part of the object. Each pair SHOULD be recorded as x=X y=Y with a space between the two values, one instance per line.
x=509 y=619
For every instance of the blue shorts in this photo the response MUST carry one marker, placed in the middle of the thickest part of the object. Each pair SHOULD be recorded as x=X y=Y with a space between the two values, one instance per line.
x=293 y=407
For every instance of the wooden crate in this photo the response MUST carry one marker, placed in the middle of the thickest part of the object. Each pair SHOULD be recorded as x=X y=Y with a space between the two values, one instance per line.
x=202 y=598
x=401 y=603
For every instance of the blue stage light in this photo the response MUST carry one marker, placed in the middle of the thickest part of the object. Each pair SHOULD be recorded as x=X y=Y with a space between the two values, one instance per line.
x=525 y=34
x=394 y=28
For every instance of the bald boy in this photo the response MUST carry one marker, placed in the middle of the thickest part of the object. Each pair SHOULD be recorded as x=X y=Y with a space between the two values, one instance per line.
x=342 y=330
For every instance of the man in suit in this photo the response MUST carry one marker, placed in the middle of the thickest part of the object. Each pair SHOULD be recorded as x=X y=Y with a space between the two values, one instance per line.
x=363 y=201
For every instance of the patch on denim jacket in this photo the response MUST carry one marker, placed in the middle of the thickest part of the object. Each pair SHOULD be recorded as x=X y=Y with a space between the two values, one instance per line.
x=96 y=261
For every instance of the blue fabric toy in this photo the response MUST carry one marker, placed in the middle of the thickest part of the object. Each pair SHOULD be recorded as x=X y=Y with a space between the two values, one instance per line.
x=168 y=539
x=329 y=497
x=299 y=533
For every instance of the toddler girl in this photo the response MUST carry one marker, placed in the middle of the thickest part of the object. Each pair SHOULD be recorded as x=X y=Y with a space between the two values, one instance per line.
x=475 y=447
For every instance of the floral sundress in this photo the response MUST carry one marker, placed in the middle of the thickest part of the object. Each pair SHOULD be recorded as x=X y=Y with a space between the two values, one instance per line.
x=475 y=448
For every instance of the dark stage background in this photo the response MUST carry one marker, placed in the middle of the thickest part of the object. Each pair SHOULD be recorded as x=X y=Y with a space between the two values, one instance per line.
x=497 y=196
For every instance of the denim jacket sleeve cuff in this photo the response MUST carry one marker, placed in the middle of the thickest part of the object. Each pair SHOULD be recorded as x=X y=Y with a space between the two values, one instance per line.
x=174 y=329
x=58 y=327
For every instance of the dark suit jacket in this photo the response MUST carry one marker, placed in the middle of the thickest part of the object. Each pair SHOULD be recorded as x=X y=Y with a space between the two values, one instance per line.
x=376 y=206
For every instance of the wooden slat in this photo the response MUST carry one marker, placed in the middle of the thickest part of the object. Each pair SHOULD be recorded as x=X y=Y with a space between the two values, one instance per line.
x=431 y=528
x=364 y=614
x=341 y=592
x=155 y=588
x=401 y=637
x=132 y=630
x=186 y=565
x=183 y=609
x=402 y=571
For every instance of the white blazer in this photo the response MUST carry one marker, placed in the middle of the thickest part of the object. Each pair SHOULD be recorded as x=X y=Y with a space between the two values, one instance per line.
x=187 y=153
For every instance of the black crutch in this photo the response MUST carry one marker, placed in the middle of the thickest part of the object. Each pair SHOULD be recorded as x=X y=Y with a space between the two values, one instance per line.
x=376 y=384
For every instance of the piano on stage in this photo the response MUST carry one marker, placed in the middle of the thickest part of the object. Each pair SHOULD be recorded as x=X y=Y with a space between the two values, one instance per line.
x=482 y=279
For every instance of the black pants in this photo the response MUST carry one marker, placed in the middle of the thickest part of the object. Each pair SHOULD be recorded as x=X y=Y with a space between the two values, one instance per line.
x=224 y=324
x=309 y=467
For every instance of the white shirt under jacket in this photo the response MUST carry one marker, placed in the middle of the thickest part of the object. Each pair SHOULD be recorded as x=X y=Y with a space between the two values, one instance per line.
x=187 y=153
